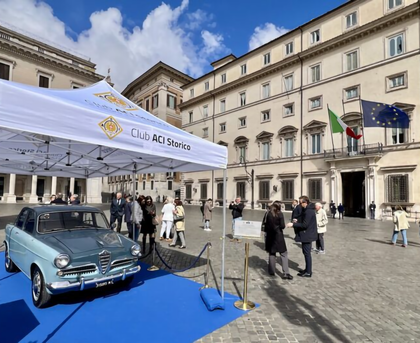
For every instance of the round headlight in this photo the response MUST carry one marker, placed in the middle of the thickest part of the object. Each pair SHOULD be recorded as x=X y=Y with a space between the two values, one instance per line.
x=62 y=261
x=135 y=250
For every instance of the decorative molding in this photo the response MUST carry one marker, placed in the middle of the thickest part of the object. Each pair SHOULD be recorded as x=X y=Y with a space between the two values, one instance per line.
x=241 y=178
x=241 y=140
x=288 y=175
x=220 y=179
x=222 y=143
x=315 y=125
x=189 y=181
x=264 y=176
x=316 y=173
x=287 y=130
x=264 y=135
x=403 y=168
x=203 y=180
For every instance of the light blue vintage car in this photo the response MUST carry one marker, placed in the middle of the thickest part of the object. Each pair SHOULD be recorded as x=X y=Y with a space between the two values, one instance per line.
x=68 y=248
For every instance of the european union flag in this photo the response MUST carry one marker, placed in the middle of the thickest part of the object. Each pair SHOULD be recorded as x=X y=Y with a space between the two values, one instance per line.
x=378 y=114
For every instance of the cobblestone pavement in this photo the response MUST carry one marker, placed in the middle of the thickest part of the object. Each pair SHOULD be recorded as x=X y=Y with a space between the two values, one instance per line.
x=362 y=289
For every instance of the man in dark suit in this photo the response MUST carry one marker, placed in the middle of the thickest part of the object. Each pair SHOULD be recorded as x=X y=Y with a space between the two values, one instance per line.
x=117 y=211
x=307 y=232
x=59 y=200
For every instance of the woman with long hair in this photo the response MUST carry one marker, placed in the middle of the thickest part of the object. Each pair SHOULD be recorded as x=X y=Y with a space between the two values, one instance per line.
x=400 y=225
x=179 y=220
x=148 y=227
x=275 y=242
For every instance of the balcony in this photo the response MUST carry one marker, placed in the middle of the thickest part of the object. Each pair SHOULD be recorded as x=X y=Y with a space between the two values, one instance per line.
x=354 y=151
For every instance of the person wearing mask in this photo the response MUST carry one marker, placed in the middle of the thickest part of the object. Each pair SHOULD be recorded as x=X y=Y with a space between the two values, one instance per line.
x=322 y=221
x=148 y=226
x=179 y=225
x=274 y=242
x=400 y=225
x=117 y=211
x=307 y=232
x=208 y=208
x=237 y=208
x=128 y=216
x=167 y=219
x=137 y=218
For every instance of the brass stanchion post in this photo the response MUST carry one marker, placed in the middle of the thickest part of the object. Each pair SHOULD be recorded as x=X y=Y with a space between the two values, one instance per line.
x=206 y=280
x=244 y=304
x=153 y=268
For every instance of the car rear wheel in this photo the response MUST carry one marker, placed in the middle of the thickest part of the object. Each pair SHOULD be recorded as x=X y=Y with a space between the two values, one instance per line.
x=8 y=263
x=40 y=297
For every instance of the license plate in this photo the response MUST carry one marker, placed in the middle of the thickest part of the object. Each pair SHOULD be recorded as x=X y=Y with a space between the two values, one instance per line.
x=105 y=283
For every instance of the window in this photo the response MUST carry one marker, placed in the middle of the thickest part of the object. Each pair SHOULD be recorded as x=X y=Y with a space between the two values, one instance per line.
x=398 y=188
x=316 y=143
x=288 y=110
x=242 y=154
x=265 y=116
x=288 y=190
x=315 y=103
x=171 y=101
x=241 y=190
x=351 y=20
x=147 y=105
x=152 y=184
x=188 y=191
x=222 y=105
x=394 y=3
x=289 y=48
x=352 y=62
x=205 y=132
x=144 y=185
x=266 y=91
x=264 y=190
x=316 y=73
x=242 y=122
x=223 y=78
x=203 y=191
x=4 y=71
x=288 y=83
x=44 y=81
x=351 y=93
x=288 y=147
x=395 y=82
x=169 y=185
x=192 y=93
x=155 y=101
x=222 y=127
x=243 y=69
x=315 y=189
x=205 y=111
x=396 y=45
x=242 y=98
x=220 y=190
x=399 y=135
x=265 y=149
x=21 y=218
x=206 y=86
x=190 y=116
x=267 y=58
x=315 y=36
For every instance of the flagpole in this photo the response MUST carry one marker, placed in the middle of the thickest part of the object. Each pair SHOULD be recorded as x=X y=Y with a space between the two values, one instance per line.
x=363 y=124
x=332 y=136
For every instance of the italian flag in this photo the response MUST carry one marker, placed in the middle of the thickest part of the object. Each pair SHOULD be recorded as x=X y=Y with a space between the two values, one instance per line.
x=338 y=126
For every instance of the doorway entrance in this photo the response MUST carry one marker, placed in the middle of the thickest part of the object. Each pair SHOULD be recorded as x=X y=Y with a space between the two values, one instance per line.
x=353 y=194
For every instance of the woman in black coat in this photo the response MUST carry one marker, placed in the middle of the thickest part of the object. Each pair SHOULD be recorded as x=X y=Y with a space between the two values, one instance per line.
x=274 y=242
x=148 y=226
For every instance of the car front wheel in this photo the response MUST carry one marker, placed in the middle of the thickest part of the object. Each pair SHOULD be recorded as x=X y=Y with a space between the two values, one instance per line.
x=8 y=263
x=40 y=297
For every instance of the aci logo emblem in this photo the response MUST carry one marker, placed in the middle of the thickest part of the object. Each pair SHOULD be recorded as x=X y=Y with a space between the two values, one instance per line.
x=111 y=127
x=115 y=100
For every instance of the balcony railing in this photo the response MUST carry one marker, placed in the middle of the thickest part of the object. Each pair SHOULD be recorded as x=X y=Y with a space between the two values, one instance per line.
x=354 y=150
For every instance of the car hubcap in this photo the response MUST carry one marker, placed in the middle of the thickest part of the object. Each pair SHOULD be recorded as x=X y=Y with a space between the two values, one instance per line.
x=36 y=286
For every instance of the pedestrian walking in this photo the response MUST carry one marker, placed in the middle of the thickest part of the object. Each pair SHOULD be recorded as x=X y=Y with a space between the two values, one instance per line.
x=179 y=225
x=372 y=208
x=208 y=208
x=148 y=225
x=322 y=221
x=274 y=242
x=237 y=208
x=307 y=232
x=128 y=216
x=117 y=211
x=167 y=219
x=340 y=211
x=333 y=210
x=400 y=225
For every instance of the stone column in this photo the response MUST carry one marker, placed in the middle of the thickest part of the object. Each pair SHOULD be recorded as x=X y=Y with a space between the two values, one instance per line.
x=54 y=185
x=94 y=190
x=72 y=182
x=33 y=199
x=11 y=198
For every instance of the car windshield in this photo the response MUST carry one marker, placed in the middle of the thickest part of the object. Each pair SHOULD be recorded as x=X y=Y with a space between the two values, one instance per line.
x=71 y=220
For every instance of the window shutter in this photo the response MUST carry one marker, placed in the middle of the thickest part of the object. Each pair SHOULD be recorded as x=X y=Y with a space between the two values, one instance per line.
x=174 y=102
x=168 y=103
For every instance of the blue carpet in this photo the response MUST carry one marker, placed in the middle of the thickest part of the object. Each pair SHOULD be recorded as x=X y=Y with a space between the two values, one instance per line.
x=156 y=307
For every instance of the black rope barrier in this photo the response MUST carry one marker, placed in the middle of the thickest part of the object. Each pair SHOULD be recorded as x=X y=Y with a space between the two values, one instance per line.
x=148 y=254
x=185 y=269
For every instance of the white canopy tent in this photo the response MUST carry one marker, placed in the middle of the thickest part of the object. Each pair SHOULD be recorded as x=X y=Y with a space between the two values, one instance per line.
x=95 y=132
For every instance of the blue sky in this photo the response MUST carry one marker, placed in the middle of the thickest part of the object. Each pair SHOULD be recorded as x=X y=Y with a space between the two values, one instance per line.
x=145 y=31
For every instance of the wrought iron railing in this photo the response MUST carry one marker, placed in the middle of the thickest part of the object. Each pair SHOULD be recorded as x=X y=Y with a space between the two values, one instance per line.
x=354 y=150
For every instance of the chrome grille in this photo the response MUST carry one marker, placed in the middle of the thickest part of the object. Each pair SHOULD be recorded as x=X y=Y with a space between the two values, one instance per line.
x=76 y=271
x=104 y=260
x=122 y=263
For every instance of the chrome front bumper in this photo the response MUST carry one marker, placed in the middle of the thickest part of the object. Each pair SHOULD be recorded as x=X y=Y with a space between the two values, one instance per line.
x=67 y=286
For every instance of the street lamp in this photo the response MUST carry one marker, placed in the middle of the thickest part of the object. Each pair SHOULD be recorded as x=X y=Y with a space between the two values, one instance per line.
x=251 y=175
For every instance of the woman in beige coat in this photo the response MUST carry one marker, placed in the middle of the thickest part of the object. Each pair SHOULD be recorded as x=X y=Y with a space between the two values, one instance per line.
x=208 y=208
x=179 y=224
x=400 y=225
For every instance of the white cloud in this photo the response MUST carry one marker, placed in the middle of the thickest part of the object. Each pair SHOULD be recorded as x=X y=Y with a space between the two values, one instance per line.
x=265 y=33
x=128 y=53
x=198 y=18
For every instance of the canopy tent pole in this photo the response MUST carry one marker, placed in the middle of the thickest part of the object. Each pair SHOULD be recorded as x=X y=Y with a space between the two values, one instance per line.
x=224 y=233
x=134 y=181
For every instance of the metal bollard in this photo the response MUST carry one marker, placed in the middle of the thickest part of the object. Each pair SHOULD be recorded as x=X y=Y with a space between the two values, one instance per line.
x=244 y=304
x=153 y=268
